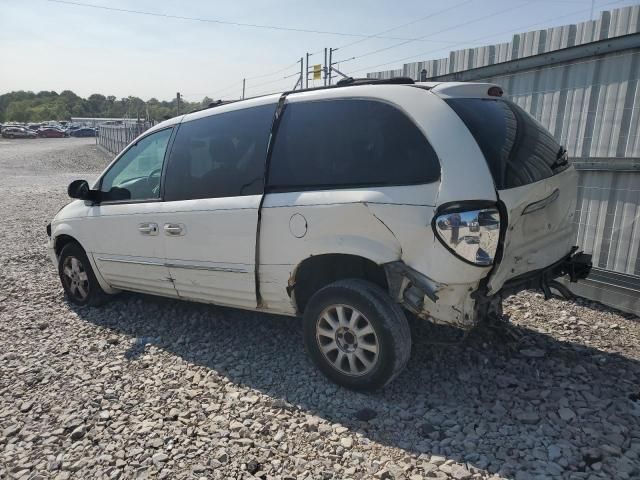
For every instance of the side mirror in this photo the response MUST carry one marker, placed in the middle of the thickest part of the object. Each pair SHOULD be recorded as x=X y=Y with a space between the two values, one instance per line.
x=79 y=189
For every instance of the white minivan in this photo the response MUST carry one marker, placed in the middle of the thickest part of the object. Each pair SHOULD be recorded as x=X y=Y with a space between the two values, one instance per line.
x=344 y=205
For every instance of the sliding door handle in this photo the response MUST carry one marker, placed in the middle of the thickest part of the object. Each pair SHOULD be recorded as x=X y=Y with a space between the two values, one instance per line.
x=174 y=229
x=148 y=228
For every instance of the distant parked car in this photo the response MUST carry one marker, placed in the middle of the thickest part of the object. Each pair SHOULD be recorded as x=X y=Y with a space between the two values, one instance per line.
x=83 y=132
x=51 y=132
x=17 y=132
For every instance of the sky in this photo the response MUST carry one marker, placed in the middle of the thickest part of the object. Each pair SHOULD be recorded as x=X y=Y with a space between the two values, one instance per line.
x=48 y=45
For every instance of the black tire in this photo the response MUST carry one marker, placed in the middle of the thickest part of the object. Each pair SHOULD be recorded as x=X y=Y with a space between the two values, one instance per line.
x=94 y=295
x=390 y=325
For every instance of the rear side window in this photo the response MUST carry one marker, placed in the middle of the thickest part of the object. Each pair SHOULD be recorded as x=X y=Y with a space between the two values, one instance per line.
x=220 y=155
x=518 y=150
x=349 y=143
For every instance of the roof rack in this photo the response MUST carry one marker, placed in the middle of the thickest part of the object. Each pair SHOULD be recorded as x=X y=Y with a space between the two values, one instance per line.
x=345 y=82
x=218 y=103
x=349 y=81
x=215 y=103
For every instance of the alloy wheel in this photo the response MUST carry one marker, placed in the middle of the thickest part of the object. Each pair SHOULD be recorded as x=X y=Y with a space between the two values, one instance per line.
x=347 y=340
x=75 y=277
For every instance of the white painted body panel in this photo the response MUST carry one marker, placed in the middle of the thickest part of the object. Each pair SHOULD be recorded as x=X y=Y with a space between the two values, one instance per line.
x=213 y=261
x=383 y=224
x=541 y=238
x=71 y=220
x=337 y=221
x=126 y=258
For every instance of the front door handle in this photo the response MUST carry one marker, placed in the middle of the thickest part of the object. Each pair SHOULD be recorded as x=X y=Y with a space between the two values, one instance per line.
x=174 y=229
x=148 y=228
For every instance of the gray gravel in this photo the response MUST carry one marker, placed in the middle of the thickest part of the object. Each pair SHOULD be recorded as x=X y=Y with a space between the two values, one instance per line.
x=152 y=388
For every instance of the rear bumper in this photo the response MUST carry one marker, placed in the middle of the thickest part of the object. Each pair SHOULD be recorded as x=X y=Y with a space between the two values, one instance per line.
x=455 y=305
x=575 y=265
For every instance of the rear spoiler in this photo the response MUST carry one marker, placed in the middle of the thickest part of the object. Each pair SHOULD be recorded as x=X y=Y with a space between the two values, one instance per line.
x=464 y=89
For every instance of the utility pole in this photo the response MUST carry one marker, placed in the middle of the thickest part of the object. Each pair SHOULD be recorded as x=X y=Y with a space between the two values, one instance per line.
x=325 y=67
x=244 y=80
x=306 y=76
x=331 y=66
x=178 y=102
x=301 y=74
x=331 y=50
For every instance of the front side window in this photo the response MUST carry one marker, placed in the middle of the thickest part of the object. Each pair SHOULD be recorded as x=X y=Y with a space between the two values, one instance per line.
x=349 y=143
x=136 y=174
x=220 y=155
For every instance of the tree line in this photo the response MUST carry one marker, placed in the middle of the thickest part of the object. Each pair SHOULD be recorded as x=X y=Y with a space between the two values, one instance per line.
x=37 y=107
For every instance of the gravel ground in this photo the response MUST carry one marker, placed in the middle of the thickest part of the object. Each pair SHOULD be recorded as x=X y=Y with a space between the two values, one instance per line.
x=152 y=388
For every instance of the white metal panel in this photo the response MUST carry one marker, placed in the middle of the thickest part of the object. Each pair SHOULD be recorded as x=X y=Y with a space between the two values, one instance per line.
x=213 y=260
x=126 y=257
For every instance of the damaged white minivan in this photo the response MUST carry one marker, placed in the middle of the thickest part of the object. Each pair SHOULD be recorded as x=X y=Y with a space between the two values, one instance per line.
x=346 y=205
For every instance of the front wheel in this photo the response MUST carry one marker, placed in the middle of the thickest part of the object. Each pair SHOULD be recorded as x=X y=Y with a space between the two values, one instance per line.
x=78 y=280
x=356 y=335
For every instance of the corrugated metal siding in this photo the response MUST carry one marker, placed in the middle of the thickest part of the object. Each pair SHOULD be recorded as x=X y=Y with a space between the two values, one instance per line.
x=621 y=21
x=608 y=217
x=386 y=74
x=592 y=106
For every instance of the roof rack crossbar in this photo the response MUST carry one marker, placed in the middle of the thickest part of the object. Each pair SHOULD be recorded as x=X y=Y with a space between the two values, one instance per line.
x=376 y=81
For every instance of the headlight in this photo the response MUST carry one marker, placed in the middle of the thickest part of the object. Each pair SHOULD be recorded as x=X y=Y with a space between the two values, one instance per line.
x=470 y=234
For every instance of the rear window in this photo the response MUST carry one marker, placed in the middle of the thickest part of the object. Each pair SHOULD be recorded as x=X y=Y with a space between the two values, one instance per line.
x=349 y=143
x=517 y=148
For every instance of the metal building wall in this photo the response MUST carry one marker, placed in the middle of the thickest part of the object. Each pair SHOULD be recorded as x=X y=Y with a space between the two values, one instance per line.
x=614 y=23
x=592 y=106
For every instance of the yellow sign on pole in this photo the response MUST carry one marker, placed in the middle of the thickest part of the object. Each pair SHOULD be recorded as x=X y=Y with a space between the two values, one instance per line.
x=317 y=72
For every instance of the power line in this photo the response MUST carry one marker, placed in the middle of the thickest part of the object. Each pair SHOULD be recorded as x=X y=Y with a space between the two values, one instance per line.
x=273 y=73
x=219 y=22
x=234 y=85
x=239 y=82
x=453 y=27
x=518 y=29
x=226 y=89
x=421 y=19
x=278 y=80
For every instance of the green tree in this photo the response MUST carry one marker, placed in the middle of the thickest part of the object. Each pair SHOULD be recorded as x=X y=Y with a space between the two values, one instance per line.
x=21 y=106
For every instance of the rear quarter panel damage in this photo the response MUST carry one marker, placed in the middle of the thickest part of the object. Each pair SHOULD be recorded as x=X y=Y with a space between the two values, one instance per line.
x=385 y=225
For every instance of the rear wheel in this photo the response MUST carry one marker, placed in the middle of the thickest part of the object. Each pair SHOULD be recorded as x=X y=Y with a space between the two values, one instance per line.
x=78 y=280
x=356 y=335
